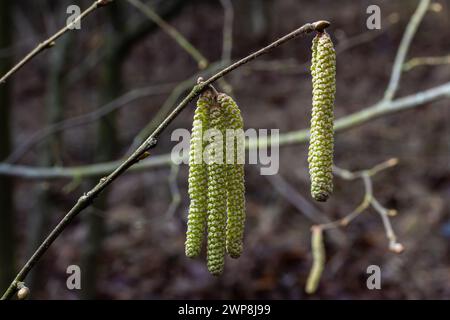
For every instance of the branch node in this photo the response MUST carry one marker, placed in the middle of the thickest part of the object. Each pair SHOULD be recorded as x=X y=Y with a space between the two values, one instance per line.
x=396 y=247
x=23 y=292
x=202 y=85
x=321 y=25
x=200 y=80
x=392 y=212
x=50 y=44
x=150 y=143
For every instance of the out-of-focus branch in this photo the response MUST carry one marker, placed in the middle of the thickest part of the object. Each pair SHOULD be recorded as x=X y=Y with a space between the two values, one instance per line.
x=203 y=63
x=410 y=31
x=51 y=41
x=95 y=115
x=367 y=36
x=368 y=200
x=290 y=65
x=143 y=151
x=299 y=136
x=124 y=42
x=426 y=61
x=172 y=32
x=174 y=191
x=303 y=205
x=227 y=42
x=377 y=110
x=175 y=95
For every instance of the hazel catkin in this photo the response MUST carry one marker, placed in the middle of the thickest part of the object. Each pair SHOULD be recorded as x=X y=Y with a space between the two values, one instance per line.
x=320 y=157
x=235 y=176
x=216 y=180
x=217 y=192
x=198 y=179
x=318 y=251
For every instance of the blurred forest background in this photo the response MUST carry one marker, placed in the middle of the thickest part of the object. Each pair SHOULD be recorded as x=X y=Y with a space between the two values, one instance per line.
x=130 y=243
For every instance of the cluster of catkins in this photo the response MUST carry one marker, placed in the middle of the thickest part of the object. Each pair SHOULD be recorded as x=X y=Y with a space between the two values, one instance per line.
x=216 y=185
x=216 y=181
x=320 y=157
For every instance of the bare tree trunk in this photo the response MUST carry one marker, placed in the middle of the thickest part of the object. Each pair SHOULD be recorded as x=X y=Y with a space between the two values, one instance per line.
x=7 y=241
x=40 y=219
x=106 y=149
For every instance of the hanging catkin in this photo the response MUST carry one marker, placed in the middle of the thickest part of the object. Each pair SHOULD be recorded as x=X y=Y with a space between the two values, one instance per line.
x=217 y=192
x=318 y=251
x=235 y=176
x=320 y=157
x=198 y=179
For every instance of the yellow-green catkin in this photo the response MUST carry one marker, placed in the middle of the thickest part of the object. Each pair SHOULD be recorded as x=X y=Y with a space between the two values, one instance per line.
x=198 y=179
x=235 y=176
x=217 y=192
x=318 y=251
x=320 y=157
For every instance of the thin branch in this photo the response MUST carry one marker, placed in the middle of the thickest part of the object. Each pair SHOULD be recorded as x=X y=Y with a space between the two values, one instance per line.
x=90 y=61
x=290 y=65
x=394 y=246
x=50 y=42
x=83 y=119
x=290 y=193
x=368 y=200
x=348 y=175
x=120 y=102
x=343 y=222
x=403 y=48
x=318 y=248
x=227 y=42
x=172 y=32
x=375 y=111
x=143 y=151
x=176 y=93
x=174 y=191
x=426 y=61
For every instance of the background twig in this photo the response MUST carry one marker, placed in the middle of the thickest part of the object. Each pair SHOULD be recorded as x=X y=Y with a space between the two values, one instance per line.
x=51 y=41
x=410 y=31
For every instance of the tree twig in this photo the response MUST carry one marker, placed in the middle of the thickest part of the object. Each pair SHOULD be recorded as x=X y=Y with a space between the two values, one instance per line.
x=410 y=31
x=368 y=200
x=83 y=119
x=50 y=42
x=291 y=65
x=172 y=32
x=202 y=63
x=176 y=93
x=227 y=42
x=174 y=191
x=291 y=194
x=426 y=61
x=143 y=151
